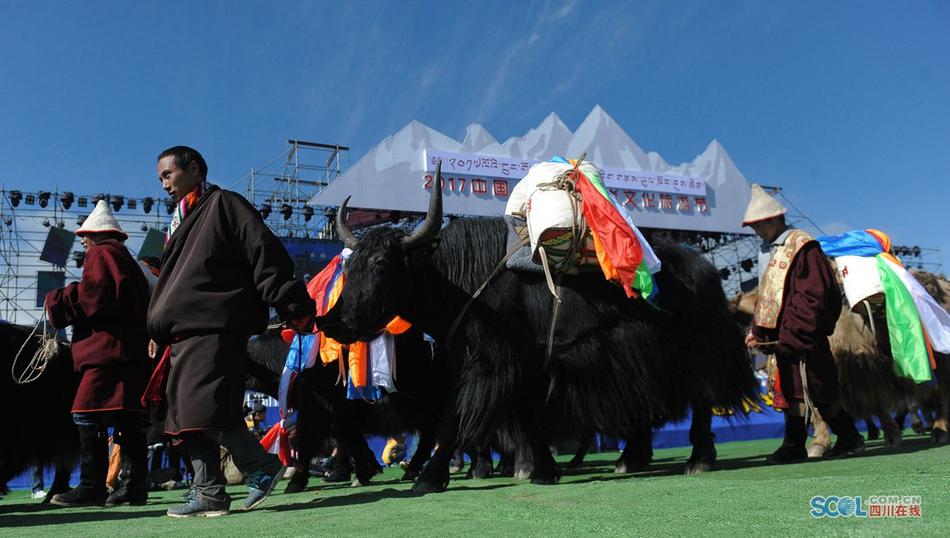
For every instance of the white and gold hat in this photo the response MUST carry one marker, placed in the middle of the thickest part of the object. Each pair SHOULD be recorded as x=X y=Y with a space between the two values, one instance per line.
x=762 y=207
x=101 y=220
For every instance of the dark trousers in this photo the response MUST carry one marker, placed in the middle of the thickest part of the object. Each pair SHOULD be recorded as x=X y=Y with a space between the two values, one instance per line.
x=203 y=448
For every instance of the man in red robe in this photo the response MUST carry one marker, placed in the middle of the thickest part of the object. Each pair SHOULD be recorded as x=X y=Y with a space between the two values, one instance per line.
x=796 y=310
x=106 y=310
x=221 y=270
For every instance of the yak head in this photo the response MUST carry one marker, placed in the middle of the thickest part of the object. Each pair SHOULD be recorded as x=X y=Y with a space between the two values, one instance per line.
x=379 y=274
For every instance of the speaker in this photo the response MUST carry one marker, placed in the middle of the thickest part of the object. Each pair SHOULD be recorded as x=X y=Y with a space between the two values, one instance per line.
x=152 y=245
x=59 y=242
x=47 y=281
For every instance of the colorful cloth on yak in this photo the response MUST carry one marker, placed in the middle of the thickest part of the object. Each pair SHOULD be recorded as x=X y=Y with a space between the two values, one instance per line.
x=916 y=323
x=622 y=252
x=370 y=366
x=184 y=206
x=299 y=359
x=772 y=288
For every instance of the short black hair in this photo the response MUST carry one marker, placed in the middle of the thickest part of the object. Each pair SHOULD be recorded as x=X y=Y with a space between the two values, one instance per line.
x=184 y=155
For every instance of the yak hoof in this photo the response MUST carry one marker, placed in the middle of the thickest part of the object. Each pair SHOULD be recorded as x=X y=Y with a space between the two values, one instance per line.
x=296 y=486
x=623 y=467
x=522 y=474
x=336 y=476
x=940 y=436
x=698 y=467
x=410 y=475
x=545 y=480
x=893 y=441
x=874 y=434
x=919 y=428
x=817 y=451
x=506 y=470
x=423 y=486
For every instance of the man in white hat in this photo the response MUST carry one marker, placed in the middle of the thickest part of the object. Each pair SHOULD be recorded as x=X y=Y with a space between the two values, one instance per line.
x=795 y=312
x=106 y=310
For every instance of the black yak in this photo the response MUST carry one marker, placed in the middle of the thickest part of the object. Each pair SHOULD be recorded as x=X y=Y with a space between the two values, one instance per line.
x=39 y=428
x=617 y=365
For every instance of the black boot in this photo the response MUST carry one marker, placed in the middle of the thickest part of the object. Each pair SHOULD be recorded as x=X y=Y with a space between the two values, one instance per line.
x=850 y=442
x=133 y=486
x=93 y=459
x=793 y=446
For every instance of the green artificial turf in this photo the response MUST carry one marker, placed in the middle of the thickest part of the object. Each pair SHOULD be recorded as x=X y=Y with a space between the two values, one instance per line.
x=743 y=497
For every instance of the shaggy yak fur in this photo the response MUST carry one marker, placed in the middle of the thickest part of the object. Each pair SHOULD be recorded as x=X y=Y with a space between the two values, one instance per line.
x=39 y=429
x=618 y=365
x=324 y=410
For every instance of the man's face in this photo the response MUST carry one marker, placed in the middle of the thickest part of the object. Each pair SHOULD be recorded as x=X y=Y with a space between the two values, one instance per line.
x=176 y=181
x=769 y=229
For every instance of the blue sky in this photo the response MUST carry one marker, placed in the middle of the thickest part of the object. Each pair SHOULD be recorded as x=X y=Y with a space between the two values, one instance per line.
x=843 y=104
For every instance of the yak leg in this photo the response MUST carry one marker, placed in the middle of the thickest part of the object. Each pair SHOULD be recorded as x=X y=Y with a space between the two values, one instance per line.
x=365 y=464
x=701 y=437
x=435 y=476
x=423 y=452
x=482 y=466
x=546 y=471
x=941 y=431
x=822 y=440
x=893 y=437
x=637 y=454
x=60 y=479
x=585 y=440
x=874 y=433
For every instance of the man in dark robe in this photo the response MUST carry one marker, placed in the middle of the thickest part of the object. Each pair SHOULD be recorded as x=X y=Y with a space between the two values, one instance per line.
x=796 y=310
x=221 y=269
x=106 y=310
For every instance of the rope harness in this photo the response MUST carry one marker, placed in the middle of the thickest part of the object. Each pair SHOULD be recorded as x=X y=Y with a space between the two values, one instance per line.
x=47 y=350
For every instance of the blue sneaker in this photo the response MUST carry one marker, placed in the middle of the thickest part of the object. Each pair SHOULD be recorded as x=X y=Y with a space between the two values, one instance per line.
x=192 y=507
x=261 y=483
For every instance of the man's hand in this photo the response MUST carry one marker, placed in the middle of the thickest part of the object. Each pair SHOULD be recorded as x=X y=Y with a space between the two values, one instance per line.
x=750 y=340
x=152 y=349
x=303 y=324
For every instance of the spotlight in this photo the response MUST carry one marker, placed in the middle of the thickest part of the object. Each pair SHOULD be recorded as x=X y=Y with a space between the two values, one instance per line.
x=79 y=257
x=147 y=204
x=67 y=199
x=144 y=228
x=46 y=223
x=131 y=203
x=746 y=265
x=80 y=220
x=44 y=198
x=164 y=227
x=97 y=197
x=60 y=224
x=15 y=197
x=915 y=251
x=82 y=201
x=117 y=202
x=286 y=210
x=307 y=213
x=8 y=222
x=265 y=211
x=170 y=206
x=30 y=199
x=724 y=273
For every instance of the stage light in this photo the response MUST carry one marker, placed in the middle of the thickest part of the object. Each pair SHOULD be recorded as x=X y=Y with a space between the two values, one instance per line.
x=724 y=273
x=44 y=198
x=60 y=224
x=8 y=222
x=82 y=201
x=67 y=199
x=15 y=197
x=915 y=251
x=307 y=213
x=746 y=265
x=97 y=197
x=79 y=257
x=80 y=220
x=144 y=228
x=46 y=223
x=265 y=211
x=286 y=210
x=30 y=199
x=131 y=203
x=147 y=204
x=117 y=202
x=164 y=227
x=169 y=206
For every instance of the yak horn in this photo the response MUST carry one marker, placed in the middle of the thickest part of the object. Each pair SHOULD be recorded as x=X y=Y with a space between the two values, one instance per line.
x=346 y=235
x=433 y=223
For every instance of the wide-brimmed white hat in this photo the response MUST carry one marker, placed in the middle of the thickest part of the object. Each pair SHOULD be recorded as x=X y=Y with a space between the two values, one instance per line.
x=762 y=207
x=101 y=220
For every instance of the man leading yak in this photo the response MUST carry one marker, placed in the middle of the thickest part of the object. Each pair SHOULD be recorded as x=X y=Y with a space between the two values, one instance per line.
x=221 y=269
x=796 y=310
x=106 y=310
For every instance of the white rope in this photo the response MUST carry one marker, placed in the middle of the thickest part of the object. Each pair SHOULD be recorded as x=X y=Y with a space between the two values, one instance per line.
x=44 y=352
x=809 y=405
